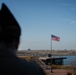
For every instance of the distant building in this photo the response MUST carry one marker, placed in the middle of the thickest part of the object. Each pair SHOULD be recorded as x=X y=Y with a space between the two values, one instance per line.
x=29 y=49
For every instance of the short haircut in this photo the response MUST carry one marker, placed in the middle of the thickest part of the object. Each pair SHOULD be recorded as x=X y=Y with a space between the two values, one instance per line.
x=9 y=27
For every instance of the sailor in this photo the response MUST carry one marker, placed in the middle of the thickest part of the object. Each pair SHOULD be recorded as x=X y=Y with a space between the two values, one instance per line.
x=10 y=33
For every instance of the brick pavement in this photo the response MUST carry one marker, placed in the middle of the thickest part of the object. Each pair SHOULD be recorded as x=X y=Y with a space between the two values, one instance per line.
x=57 y=72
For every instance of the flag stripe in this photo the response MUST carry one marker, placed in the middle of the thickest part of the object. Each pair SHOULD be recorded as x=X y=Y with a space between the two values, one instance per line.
x=55 y=38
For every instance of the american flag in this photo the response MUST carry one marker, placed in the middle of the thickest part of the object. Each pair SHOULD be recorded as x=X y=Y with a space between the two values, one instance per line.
x=55 y=38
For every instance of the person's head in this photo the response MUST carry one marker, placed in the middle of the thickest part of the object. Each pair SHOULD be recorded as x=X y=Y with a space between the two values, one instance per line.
x=10 y=30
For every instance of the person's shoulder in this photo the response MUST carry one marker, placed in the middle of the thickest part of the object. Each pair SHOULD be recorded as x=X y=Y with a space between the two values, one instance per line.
x=32 y=67
x=28 y=64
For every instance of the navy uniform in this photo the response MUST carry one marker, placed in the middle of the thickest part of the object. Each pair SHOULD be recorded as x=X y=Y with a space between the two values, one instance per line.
x=10 y=64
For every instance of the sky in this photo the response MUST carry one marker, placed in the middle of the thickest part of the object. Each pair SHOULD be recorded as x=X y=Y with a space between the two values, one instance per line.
x=41 y=18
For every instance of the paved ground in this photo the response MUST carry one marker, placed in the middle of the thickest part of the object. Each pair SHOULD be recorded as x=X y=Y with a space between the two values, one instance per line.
x=57 y=72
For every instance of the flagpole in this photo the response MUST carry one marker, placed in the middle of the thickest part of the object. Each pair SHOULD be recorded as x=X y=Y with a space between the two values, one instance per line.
x=51 y=54
x=51 y=45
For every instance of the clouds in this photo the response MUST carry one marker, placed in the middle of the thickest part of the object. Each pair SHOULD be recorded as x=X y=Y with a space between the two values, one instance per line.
x=67 y=20
x=70 y=5
x=71 y=21
x=71 y=8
